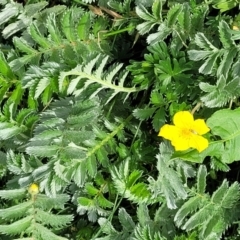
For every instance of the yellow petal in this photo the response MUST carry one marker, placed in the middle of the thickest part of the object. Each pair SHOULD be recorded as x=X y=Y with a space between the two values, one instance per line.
x=181 y=144
x=200 y=127
x=183 y=119
x=198 y=142
x=169 y=132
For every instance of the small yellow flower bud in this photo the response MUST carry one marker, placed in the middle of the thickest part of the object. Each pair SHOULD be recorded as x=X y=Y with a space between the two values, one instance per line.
x=33 y=189
x=235 y=28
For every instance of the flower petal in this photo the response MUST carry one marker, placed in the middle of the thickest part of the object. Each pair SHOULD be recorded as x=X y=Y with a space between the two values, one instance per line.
x=181 y=144
x=169 y=132
x=200 y=127
x=183 y=119
x=198 y=142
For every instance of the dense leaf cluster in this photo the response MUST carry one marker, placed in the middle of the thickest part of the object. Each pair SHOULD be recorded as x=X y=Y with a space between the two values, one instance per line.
x=85 y=86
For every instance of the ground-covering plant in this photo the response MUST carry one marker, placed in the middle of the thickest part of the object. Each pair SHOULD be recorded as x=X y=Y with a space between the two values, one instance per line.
x=119 y=120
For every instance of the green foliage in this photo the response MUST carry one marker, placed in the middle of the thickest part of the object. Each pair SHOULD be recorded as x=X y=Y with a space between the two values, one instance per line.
x=168 y=183
x=210 y=215
x=229 y=133
x=98 y=77
x=33 y=216
x=85 y=87
x=22 y=16
x=178 y=22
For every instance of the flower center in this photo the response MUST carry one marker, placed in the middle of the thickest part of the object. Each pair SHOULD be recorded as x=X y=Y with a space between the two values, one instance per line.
x=187 y=133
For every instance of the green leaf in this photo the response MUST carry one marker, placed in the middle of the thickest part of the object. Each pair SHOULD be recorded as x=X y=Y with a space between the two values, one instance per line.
x=68 y=25
x=157 y=9
x=84 y=27
x=204 y=43
x=184 y=18
x=226 y=62
x=41 y=86
x=191 y=156
x=229 y=133
x=163 y=32
x=44 y=233
x=57 y=221
x=143 y=114
x=225 y=35
x=197 y=55
x=145 y=27
x=13 y=194
x=23 y=46
x=159 y=119
x=53 y=29
x=38 y=37
x=231 y=196
x=17 y=227
x=126 y=220
x=16 y=211
x=144 y=14
x=10 y=10
x=43 y=151
x=5 y=70
x=209 y=64
x=14 y=27
x=201 y=179
x=8 y=131
x=85 y=201
x=187 y=208
x=173 y=14
x=91 y=165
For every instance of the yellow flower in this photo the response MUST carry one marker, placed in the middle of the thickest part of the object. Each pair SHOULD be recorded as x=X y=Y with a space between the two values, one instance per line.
x=186 y=133
x=33 y=189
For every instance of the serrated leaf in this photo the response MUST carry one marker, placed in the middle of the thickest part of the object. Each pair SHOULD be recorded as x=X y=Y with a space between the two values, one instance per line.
x=38 y=37
x=159 y=119
x=225 y=35
x=23 y=46
x=230 y=132
x=126 y=220
x=204 y=43
x=143 y=114
x=157 y=9
x=163 y=32
x=43 y=151
x=41 y=86
x=201 y=179
x=14 y=28
x=17 y=227
x=53 y=30
x=9 y=132
x=5 y=69
x=208 y=66
x=197 y=55
x=172 y=14
x=184 y=18
x=85 y=201
x=52 y=220
x=68 y=25
x=144 y=14
x=226 y=62
x=84 y=27
x=187 y=208
x=145 y=27
x=106 y=226
x=206 y=87
x=13 y=194
x=16 y=211
x=10 y=10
